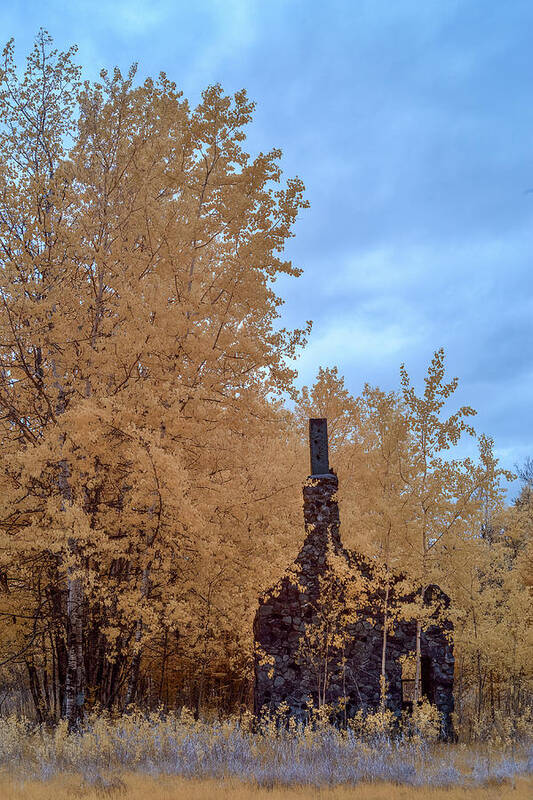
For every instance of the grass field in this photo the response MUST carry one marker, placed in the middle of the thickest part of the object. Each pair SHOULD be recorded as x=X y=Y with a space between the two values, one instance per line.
x=137 y=787
x=167 y=757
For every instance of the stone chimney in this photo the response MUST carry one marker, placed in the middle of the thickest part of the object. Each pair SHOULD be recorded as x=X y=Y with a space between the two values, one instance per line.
x=321 y=511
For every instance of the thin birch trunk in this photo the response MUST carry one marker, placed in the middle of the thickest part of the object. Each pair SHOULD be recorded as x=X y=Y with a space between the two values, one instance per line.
x=324 y=685
x=417 y=692
x=75 y=677
x=383 y=677
x=163 y=667
x=75 y=683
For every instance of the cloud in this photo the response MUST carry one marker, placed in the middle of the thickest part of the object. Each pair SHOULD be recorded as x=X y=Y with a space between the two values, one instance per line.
x=228 y=35
x=123 y=18
x=356 y=343
x=139 y=16
x=410 y=124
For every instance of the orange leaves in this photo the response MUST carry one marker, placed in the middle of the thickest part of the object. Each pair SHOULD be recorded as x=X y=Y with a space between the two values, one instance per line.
x=138 y=346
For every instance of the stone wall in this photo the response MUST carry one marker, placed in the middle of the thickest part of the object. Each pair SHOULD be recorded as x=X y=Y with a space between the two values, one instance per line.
x=295 y=609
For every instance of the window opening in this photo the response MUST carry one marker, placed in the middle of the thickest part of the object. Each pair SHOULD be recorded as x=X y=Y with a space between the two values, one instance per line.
x=408 y=663
x=427 y=679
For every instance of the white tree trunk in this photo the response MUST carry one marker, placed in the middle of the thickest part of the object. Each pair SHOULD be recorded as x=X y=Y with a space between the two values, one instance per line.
x=418 y=688
x=383 y=678
x=75 y=678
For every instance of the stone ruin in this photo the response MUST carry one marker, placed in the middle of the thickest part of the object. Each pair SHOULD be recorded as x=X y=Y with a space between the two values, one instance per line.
x=291 y=614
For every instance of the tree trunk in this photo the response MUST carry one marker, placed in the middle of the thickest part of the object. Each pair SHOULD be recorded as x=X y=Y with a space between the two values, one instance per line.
x=75 y=681
x=75 y=677
x=417 y=693
x=136 y=661
x=36 y=692
x=383 y=677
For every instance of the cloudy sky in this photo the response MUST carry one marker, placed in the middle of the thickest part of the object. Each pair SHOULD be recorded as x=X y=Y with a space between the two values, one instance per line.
x=411 y=125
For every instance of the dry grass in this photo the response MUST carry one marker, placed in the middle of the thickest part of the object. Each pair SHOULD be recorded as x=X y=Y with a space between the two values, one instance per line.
x=173 y=756
x=139 y=787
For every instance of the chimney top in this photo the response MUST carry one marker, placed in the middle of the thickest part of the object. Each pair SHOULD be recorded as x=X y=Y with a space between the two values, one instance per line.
x=318 y=446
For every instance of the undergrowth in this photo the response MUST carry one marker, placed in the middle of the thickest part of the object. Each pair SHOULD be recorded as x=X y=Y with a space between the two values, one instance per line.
x=276 y=752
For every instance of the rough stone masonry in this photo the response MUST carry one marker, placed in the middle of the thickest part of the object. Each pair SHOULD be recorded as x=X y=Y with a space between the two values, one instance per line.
x=299 y=610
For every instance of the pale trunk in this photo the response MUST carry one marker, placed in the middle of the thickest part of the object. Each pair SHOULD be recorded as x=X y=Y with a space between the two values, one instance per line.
x=75 y=679
x=383 y=676
x=417 y=693
x=383 y=679
x=325 y=681
x=418 y=653
x=75 y=676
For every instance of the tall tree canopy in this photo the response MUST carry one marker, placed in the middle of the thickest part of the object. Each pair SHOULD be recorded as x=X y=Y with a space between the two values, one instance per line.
x=138 y=346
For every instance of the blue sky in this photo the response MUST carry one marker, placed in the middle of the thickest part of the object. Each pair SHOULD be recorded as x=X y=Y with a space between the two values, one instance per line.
x=411 y=124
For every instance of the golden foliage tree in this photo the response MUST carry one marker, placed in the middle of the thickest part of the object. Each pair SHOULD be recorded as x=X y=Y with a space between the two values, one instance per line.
x=405 y=501
x=138 y=346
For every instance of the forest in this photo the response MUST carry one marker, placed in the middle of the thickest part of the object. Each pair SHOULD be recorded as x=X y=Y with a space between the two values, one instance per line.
x=154 y=440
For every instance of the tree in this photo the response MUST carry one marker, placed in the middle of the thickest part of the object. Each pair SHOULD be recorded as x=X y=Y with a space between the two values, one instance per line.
x=444 y=494
x=138 y=345
x=382 y=499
